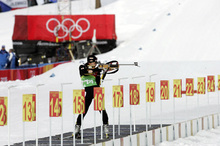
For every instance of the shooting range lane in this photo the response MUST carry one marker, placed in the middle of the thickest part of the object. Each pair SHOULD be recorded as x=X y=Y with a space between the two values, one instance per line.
x=88 y=135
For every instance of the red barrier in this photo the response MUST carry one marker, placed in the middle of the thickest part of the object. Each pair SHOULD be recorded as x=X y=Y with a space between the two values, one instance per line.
x=5 y=75
x=31 y=72
x=22 y=74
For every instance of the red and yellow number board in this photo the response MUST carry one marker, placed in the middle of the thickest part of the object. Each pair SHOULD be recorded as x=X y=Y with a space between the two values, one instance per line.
x=201 y=85
x=134 y=91
x=211 y=83
x=29 y=107
x=189 y=87
x=118 y=96
x=78 y=101
x=218 y=82
x=164 y=89
x=150 y=91
x=3 y=110
x=177 y=88
x=99 y=98
x=55 y=104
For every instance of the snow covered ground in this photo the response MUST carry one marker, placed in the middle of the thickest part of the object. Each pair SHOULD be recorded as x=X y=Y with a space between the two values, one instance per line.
x=170 y=40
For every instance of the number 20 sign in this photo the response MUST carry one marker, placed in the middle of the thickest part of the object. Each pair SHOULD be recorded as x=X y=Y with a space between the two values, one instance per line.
x=164 y=90
x=3 y=111
x=118 y=100
x=78 y=101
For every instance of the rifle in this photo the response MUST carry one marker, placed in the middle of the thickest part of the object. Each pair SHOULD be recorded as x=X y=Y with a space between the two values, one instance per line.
x=112 y=67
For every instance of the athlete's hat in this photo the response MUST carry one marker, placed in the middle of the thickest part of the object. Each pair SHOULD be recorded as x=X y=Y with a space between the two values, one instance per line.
x=3 y=46
x=91 y=58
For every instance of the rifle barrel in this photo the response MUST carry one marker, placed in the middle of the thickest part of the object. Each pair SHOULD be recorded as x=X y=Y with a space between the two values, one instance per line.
x=135 y=64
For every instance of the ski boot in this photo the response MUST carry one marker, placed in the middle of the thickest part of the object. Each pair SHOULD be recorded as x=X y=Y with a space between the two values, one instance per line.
x=106 y=130
x=77 y=131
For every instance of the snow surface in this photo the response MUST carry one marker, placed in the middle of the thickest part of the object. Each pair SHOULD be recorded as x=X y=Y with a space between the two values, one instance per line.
x=170 y=40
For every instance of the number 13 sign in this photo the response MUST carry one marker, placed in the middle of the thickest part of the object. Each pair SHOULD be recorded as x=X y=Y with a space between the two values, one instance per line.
x=29 y=107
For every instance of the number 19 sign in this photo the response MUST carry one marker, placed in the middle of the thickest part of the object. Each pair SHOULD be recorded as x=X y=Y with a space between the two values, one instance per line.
x=99 y=98
x=118 y=96
x=3 y=111
x=78 y=101
x=150 y=91
x=134 y=94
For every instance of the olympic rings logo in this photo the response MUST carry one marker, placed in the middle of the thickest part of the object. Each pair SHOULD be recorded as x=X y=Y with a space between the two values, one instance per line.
x=66 y=30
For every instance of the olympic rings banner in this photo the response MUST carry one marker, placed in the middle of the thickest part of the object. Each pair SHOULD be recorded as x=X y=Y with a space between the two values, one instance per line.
x=59 y=28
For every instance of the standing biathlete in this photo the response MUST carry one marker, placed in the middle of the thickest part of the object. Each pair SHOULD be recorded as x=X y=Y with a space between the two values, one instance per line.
x=91 y=77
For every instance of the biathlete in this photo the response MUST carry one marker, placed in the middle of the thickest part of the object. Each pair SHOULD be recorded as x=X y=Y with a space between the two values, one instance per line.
x=91 y=77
